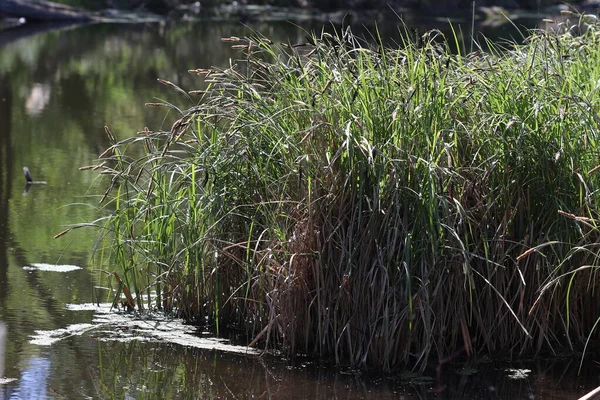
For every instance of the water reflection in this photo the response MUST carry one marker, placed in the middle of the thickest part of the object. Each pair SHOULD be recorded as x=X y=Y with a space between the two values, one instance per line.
x=38 y=99
x=134 y=370
x=162 y=371
x=2 y=340
x=33 y=381
x=5 y=182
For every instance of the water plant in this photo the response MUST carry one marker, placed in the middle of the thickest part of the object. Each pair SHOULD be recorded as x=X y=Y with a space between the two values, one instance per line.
x=380 y=206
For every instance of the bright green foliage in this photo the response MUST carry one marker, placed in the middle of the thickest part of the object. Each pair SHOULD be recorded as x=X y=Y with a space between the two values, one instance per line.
x=371 y=204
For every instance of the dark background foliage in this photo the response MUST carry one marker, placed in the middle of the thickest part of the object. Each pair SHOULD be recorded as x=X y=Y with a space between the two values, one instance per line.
x=424 y=5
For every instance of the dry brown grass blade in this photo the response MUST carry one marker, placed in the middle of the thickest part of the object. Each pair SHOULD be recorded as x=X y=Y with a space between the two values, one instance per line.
x=173 y=86
x=63 y=233
x=112 y=139
x=201 y=72
x=536 y=248
x=129 y=301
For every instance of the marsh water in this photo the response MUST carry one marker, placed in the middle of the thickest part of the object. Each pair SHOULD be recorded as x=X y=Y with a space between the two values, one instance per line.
x=58 y=337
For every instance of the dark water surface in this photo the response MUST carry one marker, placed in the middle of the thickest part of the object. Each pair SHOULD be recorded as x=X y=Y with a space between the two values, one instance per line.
x=57 y=91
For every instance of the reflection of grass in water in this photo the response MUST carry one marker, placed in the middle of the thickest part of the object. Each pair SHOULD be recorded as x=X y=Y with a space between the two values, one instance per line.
x=154 y=370
x=379 y=206
x=158 y=372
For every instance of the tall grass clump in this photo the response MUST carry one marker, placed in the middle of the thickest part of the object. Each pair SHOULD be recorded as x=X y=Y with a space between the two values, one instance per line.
x=380 y=206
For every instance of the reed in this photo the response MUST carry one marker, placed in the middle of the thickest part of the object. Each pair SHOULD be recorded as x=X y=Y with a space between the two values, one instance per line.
x=380 y=206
